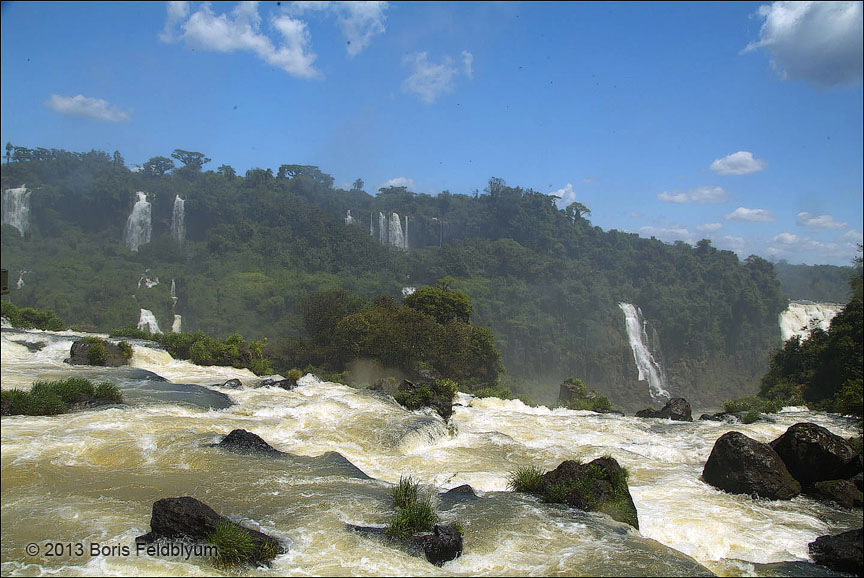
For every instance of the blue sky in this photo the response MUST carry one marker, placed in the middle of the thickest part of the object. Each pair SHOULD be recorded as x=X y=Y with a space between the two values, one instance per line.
x=737 y=122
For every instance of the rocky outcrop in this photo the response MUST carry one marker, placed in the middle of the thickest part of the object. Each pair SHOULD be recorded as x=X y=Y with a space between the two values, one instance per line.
x=812 y=454
x=442 y=544
x=676 y=409
x=842 y=492
x=186 y=517
x=286 y=384
x=415 y=396
x=231 y=384
x=842 y=552
x=463 y=490
x=244 y=442
x=94 y=351
x=741 y=465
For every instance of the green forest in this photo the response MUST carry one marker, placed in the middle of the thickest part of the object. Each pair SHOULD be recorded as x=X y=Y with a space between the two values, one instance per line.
x=543 y=283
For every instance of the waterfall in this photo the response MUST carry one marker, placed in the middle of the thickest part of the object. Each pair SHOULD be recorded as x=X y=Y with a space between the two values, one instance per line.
x=803 y=316
x=16 y=208
x=646 y=364
x=147 y=322
x=395 y=236
x=372 y=223
x=173 y=293
x=20 y=282
x=137 y=230
x=175 y=327
x=405 y=244
x=382 y=228
x=349 y=220
x=147 y=281
x=178 y=220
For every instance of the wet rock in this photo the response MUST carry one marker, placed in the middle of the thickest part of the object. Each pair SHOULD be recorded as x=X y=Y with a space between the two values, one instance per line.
x=464 y=489
x=286 y=384
x=92 y=351
x=725 y=417
x=244 y=442
x=232 y=384
x=442 y=544
x=842 y=552
x=598 y=486
x=415 y=396
x=186 y=517
x=677 y=409
x=812 y=454
x=741 y=465
x=843 y=492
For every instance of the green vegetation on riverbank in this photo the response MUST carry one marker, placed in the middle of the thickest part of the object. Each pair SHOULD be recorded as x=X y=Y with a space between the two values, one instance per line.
x=56 y=397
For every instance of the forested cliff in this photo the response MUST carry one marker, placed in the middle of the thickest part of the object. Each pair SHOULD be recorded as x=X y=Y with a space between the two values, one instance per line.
x=545 y=280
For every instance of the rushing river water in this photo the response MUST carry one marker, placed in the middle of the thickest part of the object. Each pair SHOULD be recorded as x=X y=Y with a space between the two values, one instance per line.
x=91 y=478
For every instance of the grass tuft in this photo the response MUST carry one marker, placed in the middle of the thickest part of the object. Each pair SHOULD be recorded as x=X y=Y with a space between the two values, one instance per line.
x=526 y=479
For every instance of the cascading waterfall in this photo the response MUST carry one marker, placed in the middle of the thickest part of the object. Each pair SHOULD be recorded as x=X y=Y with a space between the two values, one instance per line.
x=405 y=244
x=803 y=316
x=395 y=235
x=137 y=230
x=20 y=282
x=178 y=220
x=349 y=220
x=16 y=208
x=382 y=228
x=178 y=323
x=147 y=322
x=173 y=293
x=646 y=364
x=372 y=223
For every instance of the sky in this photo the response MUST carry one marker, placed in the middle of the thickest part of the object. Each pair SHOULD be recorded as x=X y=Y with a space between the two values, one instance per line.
x=738 y=122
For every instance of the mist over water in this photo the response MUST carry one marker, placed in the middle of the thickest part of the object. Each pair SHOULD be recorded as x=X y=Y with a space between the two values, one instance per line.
x=93 y=476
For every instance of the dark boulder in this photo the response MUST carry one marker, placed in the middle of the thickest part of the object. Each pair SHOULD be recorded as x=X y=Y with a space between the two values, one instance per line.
x=415 y=396
x=442 y=544
x=813 y=454
x=464 y=489
x=90 y=351
x=598 y=486
x=741 y=465
x=842 y=492
x=842 y=552
x=231 y=384
x=677 y=409
x=186 y=517
x=244 y=442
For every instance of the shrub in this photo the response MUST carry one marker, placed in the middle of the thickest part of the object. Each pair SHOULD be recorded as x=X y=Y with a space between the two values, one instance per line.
x=420 y=397
x=30 y=318
x=416 y=517
x=446 y=388
x=236 y=547
x=125 y=349
x=294 y=374
x=97 y=354
x=54 y=397
x=132 y=332
x=751 y=416
x=108 y=392
x=751 y=403
x=849 y=400
x=499 y=392
x=525 y=479
x=405 y=493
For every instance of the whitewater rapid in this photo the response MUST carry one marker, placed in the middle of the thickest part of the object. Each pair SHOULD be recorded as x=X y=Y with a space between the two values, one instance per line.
x=93 y=476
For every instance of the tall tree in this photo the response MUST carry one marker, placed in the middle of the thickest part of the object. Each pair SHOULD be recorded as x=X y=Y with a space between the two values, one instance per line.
x=157 y=167
x=192 y=161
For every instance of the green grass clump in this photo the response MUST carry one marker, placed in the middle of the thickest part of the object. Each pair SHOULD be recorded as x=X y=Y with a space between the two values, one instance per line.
x=752 y=403
x=29 y=318
x=406 y=492
x=55 y=397
x=499 y=392
x=294 y=374
x=97 y=354
x=526 y=479
x=597 y=403
x=415 y=513
x=125 y=349
x=236 y=547
x=132 y=332
x=751 y=416
x=108 y=392
x=421 y=397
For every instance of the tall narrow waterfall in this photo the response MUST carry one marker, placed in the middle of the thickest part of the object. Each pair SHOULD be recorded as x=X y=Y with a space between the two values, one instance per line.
x=803 y=316
x=395 y=235
x=147 y=322
x=173 y=293
x=349 y=220
x=178 y=323
x=137 y=230
x=16 y=208
x=382 y=228
x=372 y=223
x=405 y=244
x=178 y=220
x=646 y=364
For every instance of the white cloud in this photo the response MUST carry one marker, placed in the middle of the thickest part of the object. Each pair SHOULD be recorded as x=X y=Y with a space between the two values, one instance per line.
x=709 y=227
x=468 y=64
x=429 y=80
x=359 y=22
x=819 y=42
x=241 y=31
x=81 y=105
x=851 y=237
x=751 y=215
x=805 y=219
x=702 y=195
x=567 y=194
x=740 y=163
x=399 y=182
x=668 y=234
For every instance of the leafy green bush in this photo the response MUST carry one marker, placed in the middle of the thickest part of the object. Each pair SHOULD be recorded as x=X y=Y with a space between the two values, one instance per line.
x=132 y=332
x=413 y=400
x=294 y=374
x=751 y=416
x=30 y=318
x=54 y=397
x=849 y=400
x=752 y=403
x=125 y=349
x=108 y=392
x=499 y=392
x=97 y=354
x=527 y=479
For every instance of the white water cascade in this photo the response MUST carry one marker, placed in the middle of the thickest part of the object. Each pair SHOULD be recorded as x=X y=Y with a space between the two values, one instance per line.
x=173 y=293
x=178 y=220
x=20 y=282
x=137 y=230
x=646 y=364
x=803 y=316
x=178 y=323
x=349 y=220
x=382 y=228
x=16 y=208
x=394 y=234
x=147 y=322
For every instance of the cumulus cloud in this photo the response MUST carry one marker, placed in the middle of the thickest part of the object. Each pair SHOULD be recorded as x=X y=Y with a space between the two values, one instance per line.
x=429 y=80
x=399 y=182
x=709 y=227
x=668 y=234
x=81 y=105
x=740 y=163
x=751 y=215
x=853 y=237
x=359 y=22
x=567 y=195
x=701 y=195
x=818 y=42
x=805 y=219
x=241 y=31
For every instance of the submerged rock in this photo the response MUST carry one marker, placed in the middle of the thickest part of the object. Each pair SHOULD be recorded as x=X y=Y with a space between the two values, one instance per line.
x=186 y=517
x=442 y=544
x=842 y=552
x=677 y=409
x=812 y=454
x=231 y=384
x=244 y=442
x=741 y=465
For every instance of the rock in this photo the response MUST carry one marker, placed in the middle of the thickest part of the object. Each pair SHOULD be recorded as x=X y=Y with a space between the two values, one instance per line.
x=812 y=454
x=571 y=390
x=598 y=486
x=415 y=396
x=186 y=517
x=286 y=384
x=90 y=351
x=741 y=465
x=388 y=385
x=858 y=480
x=677 y=409
x=442 y=544
x=842 y=552
x=232 y=384
x=843 y=492
x=463 y=489
x=244 y=442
